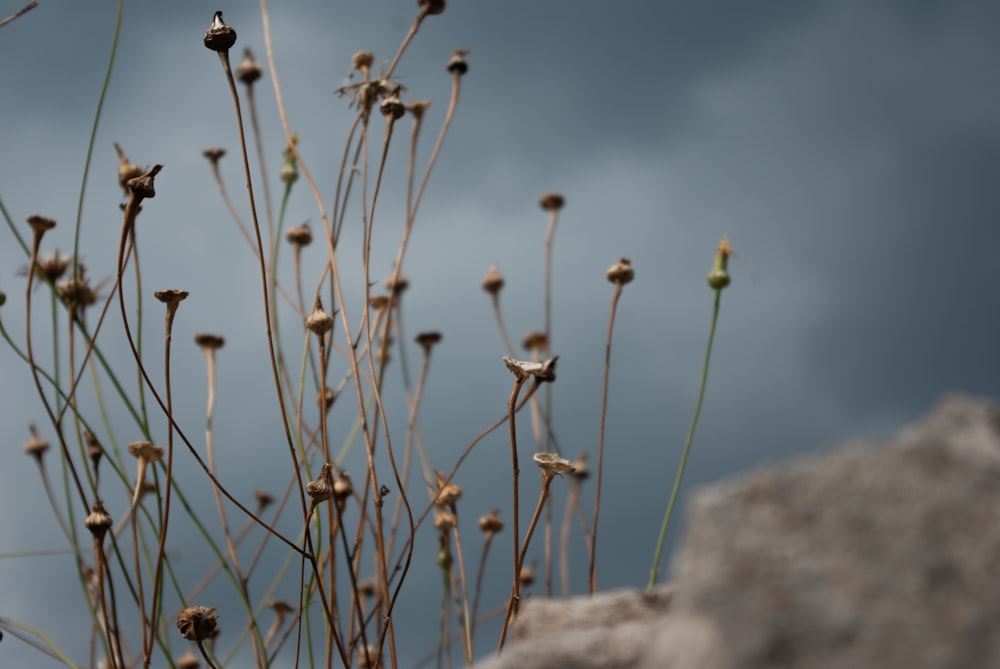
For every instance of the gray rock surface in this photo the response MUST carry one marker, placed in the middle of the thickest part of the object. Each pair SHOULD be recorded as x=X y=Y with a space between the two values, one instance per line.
x=875 y=555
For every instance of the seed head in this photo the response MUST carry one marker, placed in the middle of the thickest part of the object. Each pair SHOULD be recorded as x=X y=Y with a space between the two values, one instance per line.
x=300 y=235
x=491 y=523
x=378 y=302
x=320 y=489
x=456 y=64
x=368 y=657
x=362 y=60
x=94 y=450
x=493 y=282
x=718 y=278
x=448 y=493
x=581 y=470
x=397 y=286
x=142 y=185
x=427 y=340
x=366 y=588
x=527 y=576
x=552 y=202
x=145 y=451
x=249 y=70
x=219 y=37
x=75 y=292
x=214 y=154
x=392 y=107
x=171 y=296
x=621 y=272
x=342 y=488
x=198 y=623
x=209 y=342
x=319 y=322
x=551 y=464
x=40 y=224
x=98 y=521
x=53 y=264
x=280 y=607
x=35 y=446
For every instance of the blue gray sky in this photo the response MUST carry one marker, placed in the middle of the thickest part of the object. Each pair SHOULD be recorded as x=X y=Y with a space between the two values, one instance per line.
x=850 y=150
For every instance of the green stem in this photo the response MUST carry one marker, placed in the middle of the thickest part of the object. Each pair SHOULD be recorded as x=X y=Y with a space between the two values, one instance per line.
x=654 y=572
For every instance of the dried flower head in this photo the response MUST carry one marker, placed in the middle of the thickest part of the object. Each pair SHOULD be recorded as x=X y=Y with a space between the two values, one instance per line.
x=98 y=521
x=718 y=278
x=35 y=446
x=551 y=464
x=145 y=451
x=52 y=264
x=198 y=623
x=319 y=322
x=448 y=493
x=456 y=64
x=127 y=170
x=280 y=607
x=320 y=489
x=300 y=235
x=398 y=285
x=249 y=70
x=552 y=202
x=427 y=340
x=75 y=291
x=444 y=520
x=392 y=107
x=378 y=302
x=493 y=282
x=40 y=224
x=214 y=154
x=621 y=272
x=219 y=36
x=188 y=660
x=535 y=341
x=491 y=522
x=430 y=7
x=171 y=296
x=342 y=488
x=417 y=108
x=209 y=341
x=544 y=371
x=142 y=185
x=362 y=60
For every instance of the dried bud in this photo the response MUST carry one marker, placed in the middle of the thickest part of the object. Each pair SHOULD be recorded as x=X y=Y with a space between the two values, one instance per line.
x=552 y=464
x=362 y=60
x=214 y=155
x=142 y=186
x=219 y=37
x=428 y=340
x=300 y=235
x=444 y=520
x=456 y=64
x=249 y=70
x=392 y=107
x=429 y=7
x=544 y=371
x=491 y=523
x=718 y=278
x=493 y=282
x=35 y=446
x=621 y=272
x=94 y=450
x=552 y=202
x=208 y=341
x=320 y=489
x=198 y=623
x=98 y=521
x=535 y=341
x=319 y=322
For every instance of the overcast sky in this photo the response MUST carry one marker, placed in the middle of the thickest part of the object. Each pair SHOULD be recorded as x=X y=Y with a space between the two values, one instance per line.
x=850 y=150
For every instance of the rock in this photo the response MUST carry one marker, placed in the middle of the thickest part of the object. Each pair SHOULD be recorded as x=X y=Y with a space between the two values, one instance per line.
x=875 y=555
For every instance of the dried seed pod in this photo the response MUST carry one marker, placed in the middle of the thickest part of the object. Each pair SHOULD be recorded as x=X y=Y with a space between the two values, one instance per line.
x=430 y=7
x=127 y=170
x=491 y=523
x=188 y=660
x=326 y=398
x=428 y=340
x=398 y=285
x=366 y=587
x=35 y=446
x=198 y=623
x=142 y=186
x=456 y=64
x=378 y=302
x=392 y=107
x=342 y=488
x=552 y=202
x=319 y=322
x=209 y=341
x=98 y=521
x=320 y=489
x=551 y=464
x=493 y=282
x=300 y=235
x=264 y=500
x=214 y=154
x=145 y=451
x=94 y=450
x=249 y=70
x=444 y=520
x=448 y=493
x=544 y=371
x=621 y=272
x=362 y=60
x=171 y=296
x=417 y=108
x=527 y=575
x=581 y=470
x=40 y=224
x=219 y=36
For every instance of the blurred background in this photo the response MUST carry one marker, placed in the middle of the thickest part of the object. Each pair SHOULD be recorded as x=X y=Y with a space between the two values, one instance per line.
x=850 y=150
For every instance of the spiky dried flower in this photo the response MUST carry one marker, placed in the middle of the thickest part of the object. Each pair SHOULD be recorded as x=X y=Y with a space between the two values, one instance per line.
x=428 y=339
x=198 y=623
x=621 y=272
x=98 y=521
x=219 y=36
x=319 y=322
x=491 y=523
x=493 y=282
x=552 y=202
x=552 y=464
x=35 y=446
x=53 y=264
x=249 y=70
x=456 y=64
x=209 y=341
x=544 y=371
x=300 y=235
x=75 y=291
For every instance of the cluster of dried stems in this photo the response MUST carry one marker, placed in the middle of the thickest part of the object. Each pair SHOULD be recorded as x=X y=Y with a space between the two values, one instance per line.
x=347 y=524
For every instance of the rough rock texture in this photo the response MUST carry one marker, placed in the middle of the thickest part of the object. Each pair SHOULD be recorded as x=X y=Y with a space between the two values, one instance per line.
x=876 y=555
